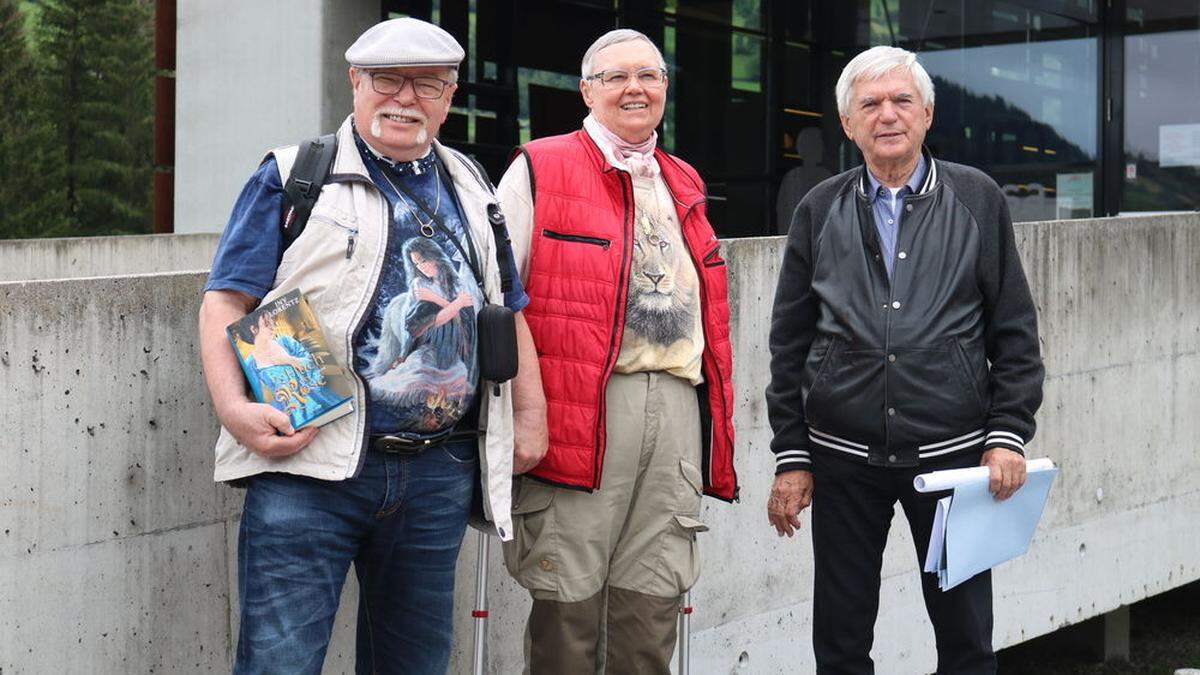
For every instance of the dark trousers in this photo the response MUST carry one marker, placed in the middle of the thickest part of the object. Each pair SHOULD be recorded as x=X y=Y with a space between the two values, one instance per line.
x=852 y=510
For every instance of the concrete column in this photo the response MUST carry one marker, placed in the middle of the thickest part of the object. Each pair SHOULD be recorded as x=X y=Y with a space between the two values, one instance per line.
x=342 y=22
x=251 y=76
x=1115 y=645
x=1103 y=638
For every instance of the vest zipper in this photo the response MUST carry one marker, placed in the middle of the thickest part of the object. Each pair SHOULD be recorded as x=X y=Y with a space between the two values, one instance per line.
x=362 y=321
x=595 y=241
x=351 y=233
x=618 y=308
x=720 y=376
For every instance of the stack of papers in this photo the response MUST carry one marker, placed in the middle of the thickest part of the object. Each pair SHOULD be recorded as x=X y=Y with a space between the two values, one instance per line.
x=972 y=531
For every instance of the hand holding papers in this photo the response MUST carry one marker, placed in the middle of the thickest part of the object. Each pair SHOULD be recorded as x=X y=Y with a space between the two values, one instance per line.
x=972 y=531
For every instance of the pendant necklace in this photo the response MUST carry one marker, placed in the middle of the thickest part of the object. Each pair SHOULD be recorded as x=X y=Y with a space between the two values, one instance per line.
x=427 y=230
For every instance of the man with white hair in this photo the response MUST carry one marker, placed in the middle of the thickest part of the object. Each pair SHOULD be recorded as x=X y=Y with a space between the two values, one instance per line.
x=403 y=247
x=629 y=314
x=904 y=340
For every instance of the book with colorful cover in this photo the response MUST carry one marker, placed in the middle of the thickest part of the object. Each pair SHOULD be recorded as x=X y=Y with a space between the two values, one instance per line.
x=288 y=364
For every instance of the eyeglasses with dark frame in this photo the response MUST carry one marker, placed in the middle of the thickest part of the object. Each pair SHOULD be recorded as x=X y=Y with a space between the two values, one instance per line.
x=424 y=86
x=650 y=78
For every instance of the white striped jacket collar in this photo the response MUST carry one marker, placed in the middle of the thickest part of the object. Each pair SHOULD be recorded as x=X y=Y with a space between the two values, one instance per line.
x=930 y=182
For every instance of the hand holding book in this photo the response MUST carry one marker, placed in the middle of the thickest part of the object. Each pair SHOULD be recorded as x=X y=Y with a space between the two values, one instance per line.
x=264 y=430
x=290 y=372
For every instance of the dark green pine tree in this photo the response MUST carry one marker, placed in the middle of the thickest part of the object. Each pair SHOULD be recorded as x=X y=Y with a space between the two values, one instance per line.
x=97 y=86
x=30 y=206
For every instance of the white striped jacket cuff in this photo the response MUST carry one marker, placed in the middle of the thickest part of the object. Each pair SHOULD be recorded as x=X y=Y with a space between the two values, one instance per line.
x=1005 y=439
x=968 y=440
x=789 y=460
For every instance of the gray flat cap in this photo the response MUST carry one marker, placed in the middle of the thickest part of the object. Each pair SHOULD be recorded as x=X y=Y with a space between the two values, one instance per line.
x=403 y=43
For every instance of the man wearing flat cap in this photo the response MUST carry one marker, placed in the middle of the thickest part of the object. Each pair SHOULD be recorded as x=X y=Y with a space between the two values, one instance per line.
x=396 y=260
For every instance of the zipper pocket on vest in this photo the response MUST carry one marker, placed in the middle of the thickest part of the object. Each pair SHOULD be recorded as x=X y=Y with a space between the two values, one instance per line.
x=711 y=259
x=595 y=241
x=351 y=232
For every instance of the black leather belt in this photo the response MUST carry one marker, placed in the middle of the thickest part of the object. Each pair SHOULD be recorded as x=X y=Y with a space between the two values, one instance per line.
x=403 y=444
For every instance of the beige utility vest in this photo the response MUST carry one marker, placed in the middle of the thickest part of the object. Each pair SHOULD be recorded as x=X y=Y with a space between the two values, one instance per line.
x=337 y=262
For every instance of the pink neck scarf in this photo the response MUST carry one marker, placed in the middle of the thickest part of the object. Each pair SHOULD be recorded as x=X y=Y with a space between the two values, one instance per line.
x=639 y=157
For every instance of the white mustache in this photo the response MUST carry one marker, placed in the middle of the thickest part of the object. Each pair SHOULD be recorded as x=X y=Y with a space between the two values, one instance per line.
x=402 y=112
x=377 y=128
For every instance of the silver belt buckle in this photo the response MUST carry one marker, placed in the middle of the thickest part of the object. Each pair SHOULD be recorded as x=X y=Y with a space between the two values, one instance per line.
x=399 y=445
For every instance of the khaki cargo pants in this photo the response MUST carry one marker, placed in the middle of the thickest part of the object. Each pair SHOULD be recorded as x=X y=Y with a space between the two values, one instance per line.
x=609 y=567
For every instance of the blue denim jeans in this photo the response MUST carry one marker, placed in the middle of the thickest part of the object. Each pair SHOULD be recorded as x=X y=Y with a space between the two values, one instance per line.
x=400 y=521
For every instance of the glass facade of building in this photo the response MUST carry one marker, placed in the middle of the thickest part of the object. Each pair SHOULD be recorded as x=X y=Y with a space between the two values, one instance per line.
x=1160 y=124
x=1075 y=107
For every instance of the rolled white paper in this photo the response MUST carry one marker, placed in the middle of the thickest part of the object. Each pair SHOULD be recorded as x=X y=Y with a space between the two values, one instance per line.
x=950 y=478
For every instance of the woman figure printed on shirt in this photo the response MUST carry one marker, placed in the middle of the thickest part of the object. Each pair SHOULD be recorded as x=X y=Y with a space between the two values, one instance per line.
x=424 y=364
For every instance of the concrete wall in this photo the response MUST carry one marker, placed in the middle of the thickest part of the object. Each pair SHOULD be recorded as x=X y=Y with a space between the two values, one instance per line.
x=116 y=550
x=1119 y=310
x=242 y=89
x=69 y=258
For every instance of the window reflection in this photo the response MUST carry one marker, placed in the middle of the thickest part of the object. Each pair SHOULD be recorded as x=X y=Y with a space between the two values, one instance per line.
x=751 y=96
x=1026 y=114
x=1016 y=84
x=717 y=109
x=1162 y=116
x=1017 y=100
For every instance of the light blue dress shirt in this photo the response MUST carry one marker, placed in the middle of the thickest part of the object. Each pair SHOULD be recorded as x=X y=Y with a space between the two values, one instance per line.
x=888 y=211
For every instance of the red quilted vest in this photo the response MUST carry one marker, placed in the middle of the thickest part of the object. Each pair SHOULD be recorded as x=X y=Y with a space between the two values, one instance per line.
x=580 y=257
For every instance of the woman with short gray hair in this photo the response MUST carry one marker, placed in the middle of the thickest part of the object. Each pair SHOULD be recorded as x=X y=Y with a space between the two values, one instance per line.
x=629 y=314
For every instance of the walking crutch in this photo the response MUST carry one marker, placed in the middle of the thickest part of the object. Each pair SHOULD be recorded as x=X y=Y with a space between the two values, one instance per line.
x=685 y=634
x=480 y=613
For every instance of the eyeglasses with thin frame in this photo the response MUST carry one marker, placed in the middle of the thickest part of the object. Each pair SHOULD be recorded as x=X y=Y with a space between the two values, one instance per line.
x=650 y=78
x=424 y=86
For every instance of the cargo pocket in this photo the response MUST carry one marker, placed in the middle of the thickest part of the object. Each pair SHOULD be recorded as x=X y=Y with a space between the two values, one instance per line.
x=680 y=564
x=690 y=488
x=531 y=554
x=681 y=555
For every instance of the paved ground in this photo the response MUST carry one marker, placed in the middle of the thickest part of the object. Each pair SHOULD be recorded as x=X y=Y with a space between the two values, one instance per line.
x=1165 y=637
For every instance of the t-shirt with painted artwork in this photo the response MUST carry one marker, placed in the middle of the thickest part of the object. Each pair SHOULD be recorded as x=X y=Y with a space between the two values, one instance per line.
x=416 y=351
x=663 y=329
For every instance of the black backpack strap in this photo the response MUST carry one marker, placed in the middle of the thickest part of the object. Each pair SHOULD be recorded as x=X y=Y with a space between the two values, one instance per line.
x=503 y=246
x=504 y=252
x=304 y=183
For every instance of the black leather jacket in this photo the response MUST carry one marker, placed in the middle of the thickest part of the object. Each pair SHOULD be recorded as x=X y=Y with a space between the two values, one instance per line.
x=941 y=359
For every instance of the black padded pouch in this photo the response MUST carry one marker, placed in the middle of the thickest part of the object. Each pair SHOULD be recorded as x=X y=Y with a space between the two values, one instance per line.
x=497 y=343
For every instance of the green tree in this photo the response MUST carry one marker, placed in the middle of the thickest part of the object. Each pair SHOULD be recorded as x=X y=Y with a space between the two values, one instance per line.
x=29 y=209
x=96 y=93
